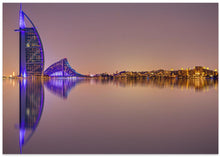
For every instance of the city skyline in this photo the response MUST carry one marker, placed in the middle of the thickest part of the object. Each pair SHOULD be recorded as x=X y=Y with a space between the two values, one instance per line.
x=100 y=38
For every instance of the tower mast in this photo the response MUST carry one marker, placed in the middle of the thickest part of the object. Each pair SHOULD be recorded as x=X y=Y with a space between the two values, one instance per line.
x=22 y=62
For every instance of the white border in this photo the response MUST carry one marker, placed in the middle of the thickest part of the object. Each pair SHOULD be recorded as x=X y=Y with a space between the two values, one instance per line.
x=87 y=1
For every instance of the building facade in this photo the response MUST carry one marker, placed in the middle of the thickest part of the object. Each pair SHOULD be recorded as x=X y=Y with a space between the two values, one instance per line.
x=31 y=48
x=61 y=68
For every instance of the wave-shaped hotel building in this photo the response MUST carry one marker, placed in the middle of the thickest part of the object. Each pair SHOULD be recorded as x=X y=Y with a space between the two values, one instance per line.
x=31 y=62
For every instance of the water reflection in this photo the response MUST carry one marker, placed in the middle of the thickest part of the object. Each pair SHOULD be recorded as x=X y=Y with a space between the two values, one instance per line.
x=31 y=108
x=32 y=95
x=61 y=87
x=32 y=102
x=196 y=84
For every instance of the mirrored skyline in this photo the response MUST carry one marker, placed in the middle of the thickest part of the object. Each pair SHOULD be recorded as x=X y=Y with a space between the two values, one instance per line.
x=99 y=116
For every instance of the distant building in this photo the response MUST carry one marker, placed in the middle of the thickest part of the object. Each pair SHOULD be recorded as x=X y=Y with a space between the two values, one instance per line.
x=199 y=69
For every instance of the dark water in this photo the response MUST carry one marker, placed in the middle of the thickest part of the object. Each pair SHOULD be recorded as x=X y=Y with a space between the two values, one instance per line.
x=110 y=116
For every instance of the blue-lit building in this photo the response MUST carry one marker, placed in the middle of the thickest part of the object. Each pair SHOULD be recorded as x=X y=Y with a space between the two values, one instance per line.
x=31 y=62
x=61 y=69
x=31 y=48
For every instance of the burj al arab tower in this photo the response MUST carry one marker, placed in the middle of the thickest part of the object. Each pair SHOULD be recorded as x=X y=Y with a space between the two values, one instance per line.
x=31 y=61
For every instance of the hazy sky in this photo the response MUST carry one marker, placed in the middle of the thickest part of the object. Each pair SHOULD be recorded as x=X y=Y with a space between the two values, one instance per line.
x=99 y=38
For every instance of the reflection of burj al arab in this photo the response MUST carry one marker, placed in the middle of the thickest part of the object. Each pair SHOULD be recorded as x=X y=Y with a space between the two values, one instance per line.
x=32 y=102
x=31 y=108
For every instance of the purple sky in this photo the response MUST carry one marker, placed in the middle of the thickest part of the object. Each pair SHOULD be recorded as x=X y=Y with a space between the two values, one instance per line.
x=99 y=38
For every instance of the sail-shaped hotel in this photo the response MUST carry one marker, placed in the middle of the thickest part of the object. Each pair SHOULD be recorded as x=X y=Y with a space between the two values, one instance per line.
x=31 y=48
x=32 y=53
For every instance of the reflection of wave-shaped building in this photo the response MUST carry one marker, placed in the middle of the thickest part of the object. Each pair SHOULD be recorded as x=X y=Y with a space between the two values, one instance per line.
x=61 y=69
x=61 y=87
x=31 y=49
x=31 y=108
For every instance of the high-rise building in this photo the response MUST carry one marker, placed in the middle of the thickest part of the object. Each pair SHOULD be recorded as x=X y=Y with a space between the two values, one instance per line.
x=31 y=48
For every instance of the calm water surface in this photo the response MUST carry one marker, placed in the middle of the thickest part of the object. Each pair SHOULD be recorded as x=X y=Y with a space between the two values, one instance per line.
x=105 y=116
